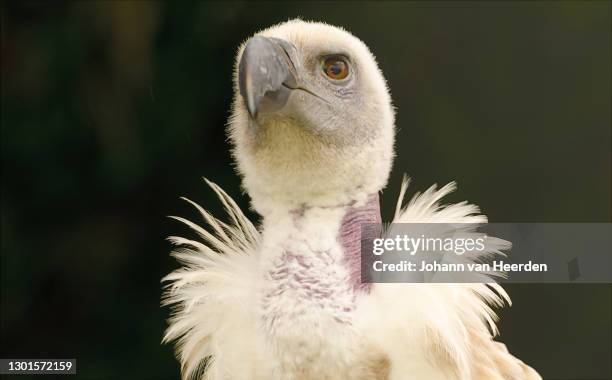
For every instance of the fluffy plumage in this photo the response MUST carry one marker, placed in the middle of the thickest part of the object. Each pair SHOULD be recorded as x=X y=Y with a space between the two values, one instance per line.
x=280 y=301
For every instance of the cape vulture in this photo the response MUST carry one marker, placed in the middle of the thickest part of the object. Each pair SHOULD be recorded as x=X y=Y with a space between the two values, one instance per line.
x=312 y=130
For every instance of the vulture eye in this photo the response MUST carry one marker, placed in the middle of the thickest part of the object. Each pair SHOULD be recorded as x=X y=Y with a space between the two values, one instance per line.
x=336 y=68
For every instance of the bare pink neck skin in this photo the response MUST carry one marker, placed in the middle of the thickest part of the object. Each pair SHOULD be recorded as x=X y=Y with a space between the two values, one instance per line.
x=350 y=237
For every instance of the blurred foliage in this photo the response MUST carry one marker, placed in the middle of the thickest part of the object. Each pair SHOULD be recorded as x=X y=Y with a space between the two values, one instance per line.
x=111 y=110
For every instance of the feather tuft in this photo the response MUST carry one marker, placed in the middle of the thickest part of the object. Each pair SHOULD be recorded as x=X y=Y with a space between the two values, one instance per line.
x=450 y=315
x=210 y=291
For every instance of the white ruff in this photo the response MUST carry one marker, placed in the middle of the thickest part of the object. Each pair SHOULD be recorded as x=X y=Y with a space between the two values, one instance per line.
x=278 y=305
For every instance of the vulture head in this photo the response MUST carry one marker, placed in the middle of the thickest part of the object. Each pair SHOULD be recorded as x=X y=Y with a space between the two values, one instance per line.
x=312 y=121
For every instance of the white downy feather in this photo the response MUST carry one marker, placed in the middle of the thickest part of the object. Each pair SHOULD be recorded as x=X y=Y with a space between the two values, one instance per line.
x=424 y=331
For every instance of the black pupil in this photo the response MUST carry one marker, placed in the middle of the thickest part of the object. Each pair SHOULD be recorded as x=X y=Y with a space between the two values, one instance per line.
x=336 y=68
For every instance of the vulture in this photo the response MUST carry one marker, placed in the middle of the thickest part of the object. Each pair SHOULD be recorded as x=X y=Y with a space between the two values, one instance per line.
x=312 y=133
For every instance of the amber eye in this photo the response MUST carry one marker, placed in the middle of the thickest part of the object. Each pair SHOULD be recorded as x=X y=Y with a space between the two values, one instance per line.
x=336 y=68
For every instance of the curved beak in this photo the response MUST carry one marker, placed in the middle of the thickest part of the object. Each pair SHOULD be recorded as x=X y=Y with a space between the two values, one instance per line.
x=266 y=74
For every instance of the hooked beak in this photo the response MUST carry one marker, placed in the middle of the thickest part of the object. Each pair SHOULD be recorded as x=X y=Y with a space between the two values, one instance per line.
x=266 y=74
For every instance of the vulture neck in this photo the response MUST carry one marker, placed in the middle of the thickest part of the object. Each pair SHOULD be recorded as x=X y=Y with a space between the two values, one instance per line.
x=353 y=216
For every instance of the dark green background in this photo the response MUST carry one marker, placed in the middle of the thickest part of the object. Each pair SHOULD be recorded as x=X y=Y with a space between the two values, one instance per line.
x=112 y=110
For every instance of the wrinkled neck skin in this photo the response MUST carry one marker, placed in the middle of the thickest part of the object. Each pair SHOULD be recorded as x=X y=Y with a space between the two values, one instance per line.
x=310 y=270
x=311 y=288
x=324 y=228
